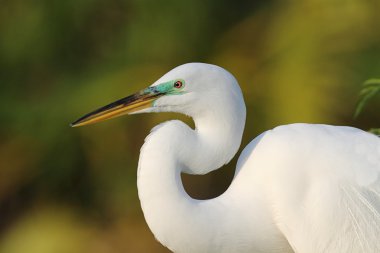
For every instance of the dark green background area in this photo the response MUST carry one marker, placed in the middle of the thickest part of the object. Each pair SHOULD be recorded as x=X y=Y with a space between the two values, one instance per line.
x=74 y=190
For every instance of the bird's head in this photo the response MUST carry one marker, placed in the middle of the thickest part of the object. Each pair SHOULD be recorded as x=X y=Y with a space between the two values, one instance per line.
x=190 y=89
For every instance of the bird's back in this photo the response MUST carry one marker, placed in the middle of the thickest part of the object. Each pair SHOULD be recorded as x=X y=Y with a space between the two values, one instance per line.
x=321 y=185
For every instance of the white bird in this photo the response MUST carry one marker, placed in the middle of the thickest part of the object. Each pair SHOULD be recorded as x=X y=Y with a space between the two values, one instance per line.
x=297 y=188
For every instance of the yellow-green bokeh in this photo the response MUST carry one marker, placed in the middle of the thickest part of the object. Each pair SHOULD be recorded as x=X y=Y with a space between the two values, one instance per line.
x=74 y=190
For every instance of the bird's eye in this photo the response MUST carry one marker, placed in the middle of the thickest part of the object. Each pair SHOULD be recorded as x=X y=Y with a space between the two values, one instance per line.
x=178 y=84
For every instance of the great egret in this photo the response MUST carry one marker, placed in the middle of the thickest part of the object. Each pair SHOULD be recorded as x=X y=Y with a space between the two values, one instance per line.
x=297 y=188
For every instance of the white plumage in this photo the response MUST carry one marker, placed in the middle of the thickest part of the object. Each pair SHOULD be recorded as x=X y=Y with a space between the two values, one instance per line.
x=297 y=188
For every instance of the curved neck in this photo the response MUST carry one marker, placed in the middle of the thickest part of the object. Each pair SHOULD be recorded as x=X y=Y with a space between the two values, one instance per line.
x=178 y=221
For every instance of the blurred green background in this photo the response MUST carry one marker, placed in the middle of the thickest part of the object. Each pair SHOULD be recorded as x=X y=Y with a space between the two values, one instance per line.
x=74 y=190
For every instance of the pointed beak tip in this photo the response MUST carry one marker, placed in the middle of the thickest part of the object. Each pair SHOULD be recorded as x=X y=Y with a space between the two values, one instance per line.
x=128 y=105
x=74 y=124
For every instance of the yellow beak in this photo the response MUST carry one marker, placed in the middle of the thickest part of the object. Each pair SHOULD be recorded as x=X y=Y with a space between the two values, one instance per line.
x=130 y=104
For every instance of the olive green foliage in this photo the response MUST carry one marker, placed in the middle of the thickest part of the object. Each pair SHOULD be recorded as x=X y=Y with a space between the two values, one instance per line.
x=74 y=190
x=370 y=89
x=375 y=131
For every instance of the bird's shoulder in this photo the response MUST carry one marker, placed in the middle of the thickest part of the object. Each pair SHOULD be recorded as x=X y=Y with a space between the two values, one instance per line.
x=337 y=151
x=318 y=178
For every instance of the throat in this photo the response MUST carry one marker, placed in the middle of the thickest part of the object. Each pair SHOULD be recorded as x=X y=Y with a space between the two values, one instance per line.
x=178 y=221
x=172 y=215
